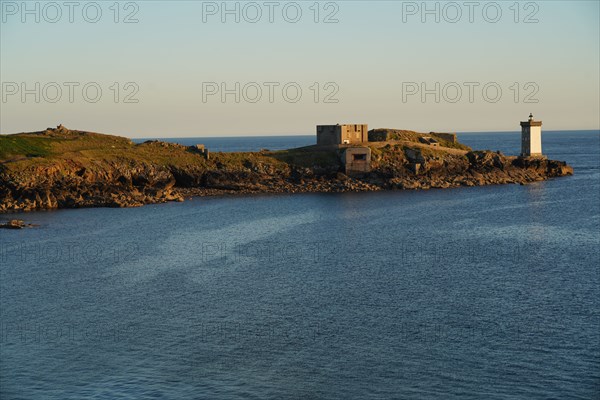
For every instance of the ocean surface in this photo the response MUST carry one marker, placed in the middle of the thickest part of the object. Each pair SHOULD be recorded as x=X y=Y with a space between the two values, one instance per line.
x=470 y=293
x=243 y=143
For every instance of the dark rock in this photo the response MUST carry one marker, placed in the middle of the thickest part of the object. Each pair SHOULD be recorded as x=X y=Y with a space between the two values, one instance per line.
x=15 y=224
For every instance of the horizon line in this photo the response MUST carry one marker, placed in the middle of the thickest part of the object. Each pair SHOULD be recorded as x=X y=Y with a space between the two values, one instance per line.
x=312 y=134
x=297 y=134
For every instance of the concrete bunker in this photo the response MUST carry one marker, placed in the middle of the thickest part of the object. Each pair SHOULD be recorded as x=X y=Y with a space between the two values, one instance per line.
x=356 y=160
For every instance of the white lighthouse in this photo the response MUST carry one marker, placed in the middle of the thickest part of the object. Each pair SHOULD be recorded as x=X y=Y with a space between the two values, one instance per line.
x=531 y=138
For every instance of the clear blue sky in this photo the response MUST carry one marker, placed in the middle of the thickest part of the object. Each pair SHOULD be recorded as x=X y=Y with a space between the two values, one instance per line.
x=376 y=55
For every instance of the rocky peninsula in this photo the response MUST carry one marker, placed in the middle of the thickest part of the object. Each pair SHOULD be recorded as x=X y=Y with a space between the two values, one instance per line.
x=62 y=168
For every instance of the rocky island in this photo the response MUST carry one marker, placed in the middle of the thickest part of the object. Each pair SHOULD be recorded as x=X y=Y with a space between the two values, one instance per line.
x=63 y=168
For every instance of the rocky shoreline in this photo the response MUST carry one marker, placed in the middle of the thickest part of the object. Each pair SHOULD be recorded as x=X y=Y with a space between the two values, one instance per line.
x=126 y=179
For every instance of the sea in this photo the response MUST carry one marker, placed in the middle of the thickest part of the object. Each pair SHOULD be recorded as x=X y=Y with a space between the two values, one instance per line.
x=468 y=293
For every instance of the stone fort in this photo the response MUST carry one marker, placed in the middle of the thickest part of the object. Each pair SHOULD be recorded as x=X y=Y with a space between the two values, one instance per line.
x=342 y=134
x=356 y=156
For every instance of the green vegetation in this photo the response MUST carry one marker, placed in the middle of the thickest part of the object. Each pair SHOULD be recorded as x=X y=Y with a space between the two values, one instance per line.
x=91 y=150
x=242 y=161
x=22 y=146
x=307 y=157
x=452 y=145
x=378 y=152
x=383 y=135
x=84 y=147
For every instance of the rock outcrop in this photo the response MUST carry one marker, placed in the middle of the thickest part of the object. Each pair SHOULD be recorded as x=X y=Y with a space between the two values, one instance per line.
x=15 y=224
x=71 y=185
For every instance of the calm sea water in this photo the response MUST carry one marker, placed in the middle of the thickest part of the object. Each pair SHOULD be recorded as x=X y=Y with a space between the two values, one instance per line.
x=489 y=292
x=243 y=143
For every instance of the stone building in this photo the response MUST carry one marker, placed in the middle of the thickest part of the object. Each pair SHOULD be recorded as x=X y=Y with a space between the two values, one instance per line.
x=342 y=134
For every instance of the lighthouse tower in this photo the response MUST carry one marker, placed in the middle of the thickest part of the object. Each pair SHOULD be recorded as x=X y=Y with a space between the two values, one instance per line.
x=531 y=138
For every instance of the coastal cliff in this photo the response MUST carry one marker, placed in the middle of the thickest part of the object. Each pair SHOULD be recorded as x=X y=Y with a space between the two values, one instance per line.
x=62 y=168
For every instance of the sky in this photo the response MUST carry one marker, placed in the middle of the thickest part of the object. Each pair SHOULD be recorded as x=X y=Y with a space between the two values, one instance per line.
x=203 y=68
